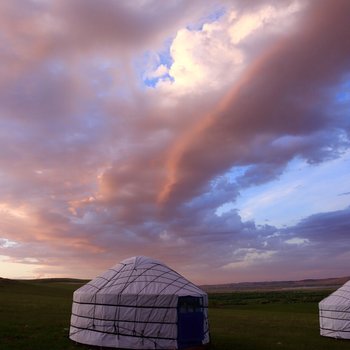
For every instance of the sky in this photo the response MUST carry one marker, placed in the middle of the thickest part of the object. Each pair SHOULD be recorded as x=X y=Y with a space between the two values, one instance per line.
x=212 y=135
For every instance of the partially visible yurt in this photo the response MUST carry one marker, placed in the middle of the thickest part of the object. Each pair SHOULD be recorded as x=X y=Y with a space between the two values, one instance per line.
x=335 y=313
x=140 y=303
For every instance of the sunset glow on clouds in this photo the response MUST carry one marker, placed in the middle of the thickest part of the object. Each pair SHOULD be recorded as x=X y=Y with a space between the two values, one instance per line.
x=212 y=135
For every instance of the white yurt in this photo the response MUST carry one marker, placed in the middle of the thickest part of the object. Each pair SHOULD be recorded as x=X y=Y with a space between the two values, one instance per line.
x=140 y=303
x=335 y=313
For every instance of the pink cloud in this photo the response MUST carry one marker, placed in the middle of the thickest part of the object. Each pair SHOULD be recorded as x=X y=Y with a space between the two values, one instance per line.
x=95 y=168
x=283 y=93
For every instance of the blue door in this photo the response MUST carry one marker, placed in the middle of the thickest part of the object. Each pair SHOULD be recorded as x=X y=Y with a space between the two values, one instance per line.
x=190 y=326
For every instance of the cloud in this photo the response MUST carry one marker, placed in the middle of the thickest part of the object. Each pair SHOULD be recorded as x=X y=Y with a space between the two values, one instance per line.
x=249 y=256
x=344 y=194
x=215 y=55
x=324 y=227
x=96 y=166
x=281 y=94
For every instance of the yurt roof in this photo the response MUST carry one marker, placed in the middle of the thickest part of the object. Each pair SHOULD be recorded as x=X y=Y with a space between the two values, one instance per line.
x=341 y=297
x=141 y=275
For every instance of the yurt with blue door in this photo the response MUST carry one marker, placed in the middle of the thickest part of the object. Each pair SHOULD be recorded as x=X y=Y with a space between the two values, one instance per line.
x=140 y=303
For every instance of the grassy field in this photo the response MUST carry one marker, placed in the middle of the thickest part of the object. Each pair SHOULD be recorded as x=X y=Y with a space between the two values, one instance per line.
x=269 y=320
x=35 y=315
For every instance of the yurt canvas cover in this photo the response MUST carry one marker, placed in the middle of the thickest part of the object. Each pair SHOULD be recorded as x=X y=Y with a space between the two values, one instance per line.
x=335 y=313
x=140 y=304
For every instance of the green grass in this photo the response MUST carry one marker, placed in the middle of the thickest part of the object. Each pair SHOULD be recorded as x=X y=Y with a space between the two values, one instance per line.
x=35 y=315
x=269 y=320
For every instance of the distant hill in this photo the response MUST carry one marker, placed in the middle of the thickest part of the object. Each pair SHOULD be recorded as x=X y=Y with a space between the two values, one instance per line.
x=59 y=280
x=7 y=281
x=325 y=283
